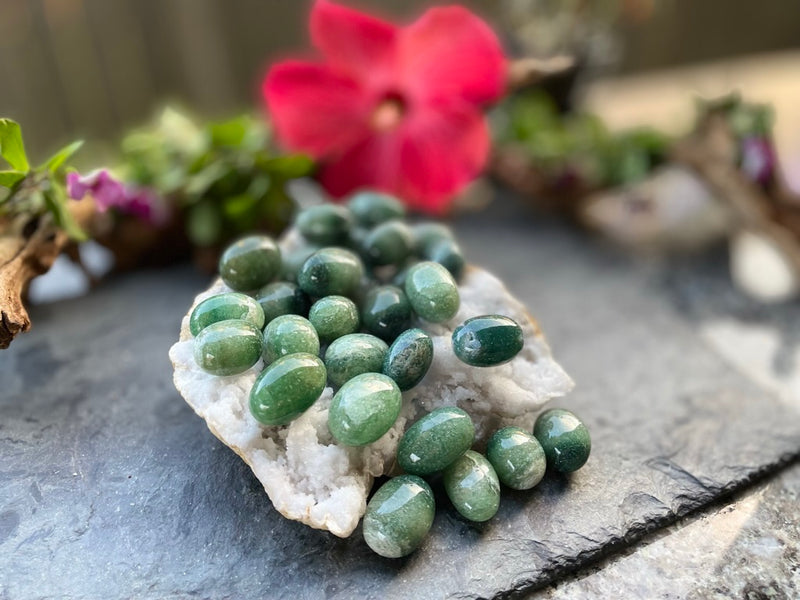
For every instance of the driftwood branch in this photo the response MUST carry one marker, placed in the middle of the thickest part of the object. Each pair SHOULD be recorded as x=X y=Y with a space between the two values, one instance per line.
x=525 y=72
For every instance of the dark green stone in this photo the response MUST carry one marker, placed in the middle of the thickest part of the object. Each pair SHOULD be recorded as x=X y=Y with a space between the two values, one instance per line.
x=517 y=458
x=487 y=340
x=289 y=334
x=432 y=292
x=448 y=254
x=330 y=272
x=250 y=263
x=374 y=208
x=282 y=298
x=473 y=487
x=324 y=224
x=228 y=347
x=287 y=388
x=409 y=358
x=222 y=307
x=399 y=516
x=352 y=355
x=427 y=234
x=294 y=260
x=435 y=441
x=333 y=317
x=386 y=312
x=564 y=439
x=389 y=243
x=364 y=409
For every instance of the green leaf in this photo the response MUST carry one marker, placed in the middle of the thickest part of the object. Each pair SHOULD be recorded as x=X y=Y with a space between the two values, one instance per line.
x=11 y=147
x=55 y=162
x=229 y=133
x=290 y=166
x=56 y=203
x=11 y=178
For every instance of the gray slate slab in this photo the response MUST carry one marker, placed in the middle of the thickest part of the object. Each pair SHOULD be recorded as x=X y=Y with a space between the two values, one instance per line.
x=110 y=487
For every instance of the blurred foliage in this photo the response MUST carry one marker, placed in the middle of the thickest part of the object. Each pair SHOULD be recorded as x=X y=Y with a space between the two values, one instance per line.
x=27 y=191
x=746 y=119
x=222 y=176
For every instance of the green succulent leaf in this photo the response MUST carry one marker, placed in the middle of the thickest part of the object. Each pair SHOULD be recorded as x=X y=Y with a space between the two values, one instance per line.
x=56 y=201
x=11 y=178
x=290 y=166
x=11 y=147
x=55 y=162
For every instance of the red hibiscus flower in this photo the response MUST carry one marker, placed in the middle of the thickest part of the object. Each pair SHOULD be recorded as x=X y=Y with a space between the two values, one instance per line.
x=397 y=109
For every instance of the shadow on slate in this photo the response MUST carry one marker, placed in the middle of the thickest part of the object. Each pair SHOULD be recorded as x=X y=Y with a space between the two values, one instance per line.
x=111 y=487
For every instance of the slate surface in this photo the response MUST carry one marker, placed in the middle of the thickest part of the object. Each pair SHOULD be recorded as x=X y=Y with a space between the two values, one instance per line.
x=110 y=487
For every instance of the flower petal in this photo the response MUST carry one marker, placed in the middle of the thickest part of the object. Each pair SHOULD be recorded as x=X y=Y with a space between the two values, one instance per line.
x=449 y=52
x=352 y=42
x=313 y=109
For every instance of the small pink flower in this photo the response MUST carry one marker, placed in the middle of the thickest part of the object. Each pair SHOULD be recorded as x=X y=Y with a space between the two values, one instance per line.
x=392 y=108
x=109 y=192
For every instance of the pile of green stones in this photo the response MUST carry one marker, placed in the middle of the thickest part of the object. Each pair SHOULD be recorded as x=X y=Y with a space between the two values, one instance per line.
x=352 y=293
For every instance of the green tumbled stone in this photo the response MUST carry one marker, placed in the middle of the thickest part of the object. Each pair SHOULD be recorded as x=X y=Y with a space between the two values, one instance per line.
x=250 y=263
x=294 y=260
x=324 y=224
x=331 y=272
x=386 y=312
x=374 y=208
x=432 y=292
x=409 y=358
x=517 y=458
x=223 y=307
x=448 y=254
x=435 y=441
x=333 y=317
x=389 y=243
x=487 y=340
x=228 y=347
x=289 y=334
x=564 y=439
x=282 y=298
x=352 y=355
x=473 y=487
x=399 y=516
x=427 y=234
x=287 y=388
x=364 y=409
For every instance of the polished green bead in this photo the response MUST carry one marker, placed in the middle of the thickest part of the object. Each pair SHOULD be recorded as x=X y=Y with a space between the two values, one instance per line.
x=250 y=263
x=517 y=458
x=330 y=272
x=289 y=334
x=374 y=208
x=386 y=312
x=364 y=409
x=223 y=307
x=427 y=234
x=228 y=347
x=282 y=298
x=389 y=243
x=399 y=516
x=435 y=441
x=409 y=358
x=324 y=224
x=564 y=438
x=432 y=292
x=333 y=317
x=287 y=388
x=294 y=260
x=352 y=355
x=448 y=254
x=487 y=340
x=472 y=486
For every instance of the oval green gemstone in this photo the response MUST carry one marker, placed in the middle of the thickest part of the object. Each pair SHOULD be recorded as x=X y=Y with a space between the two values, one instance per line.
x=399 y=516
x=294 y=260
x=432 y=292
x=223 y=307
x=289 y=334
x=517 y=458
x=409 y=358
x=487 y=340
x=435 y=441
x=389 y=243
x=333 y=317
x=282 y=298
x=330 y=272
x=427 y=234
x=352 y=355
x=472 y=486
x=287 y=388
x=564 y=439
x=324 y=224
x=364 y=409
x=448 y=254
x=228 y=347
x=374 y=208
x=250 y=263
x=386 y=312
